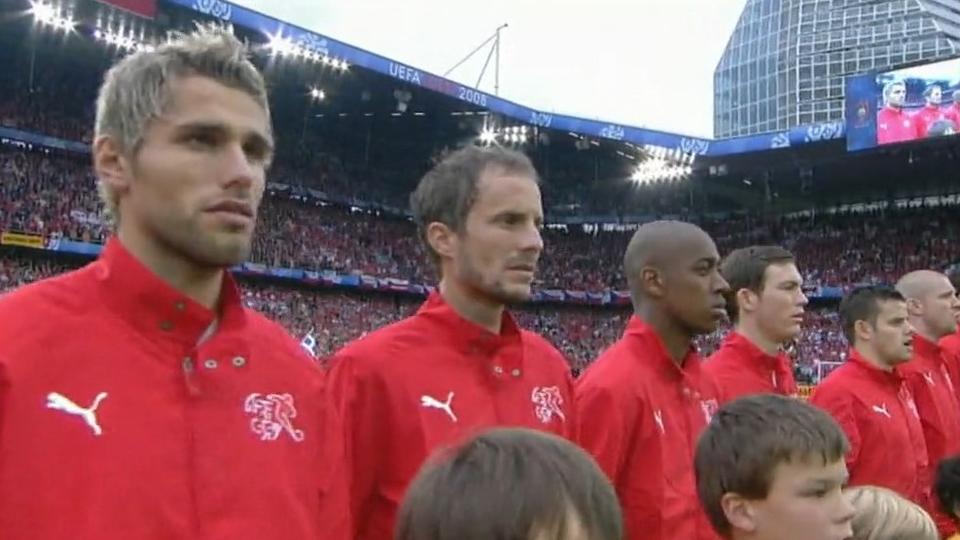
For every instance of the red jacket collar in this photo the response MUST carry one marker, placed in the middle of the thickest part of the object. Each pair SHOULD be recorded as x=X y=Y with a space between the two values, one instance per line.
x=653 y=347
x=926 y=348
x=753 y=357
x=466 y=333
x=155 y=308
x=893 y=377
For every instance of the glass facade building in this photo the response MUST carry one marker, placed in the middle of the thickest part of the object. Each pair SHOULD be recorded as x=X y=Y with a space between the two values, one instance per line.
x=786 y=61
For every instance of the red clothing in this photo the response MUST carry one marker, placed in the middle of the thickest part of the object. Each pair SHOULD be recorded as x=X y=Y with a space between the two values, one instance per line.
x=895 y=125
x=640 y=415
x=950 y=346
x=879 y=416
x=429 y=381
x=119 y=421
x=925 y=117
x=952 y=113
x=928 y=377
x=740 y=368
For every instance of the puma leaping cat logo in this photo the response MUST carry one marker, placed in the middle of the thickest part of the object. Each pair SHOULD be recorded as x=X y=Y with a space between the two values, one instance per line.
x=431 y=402
x=60 y=402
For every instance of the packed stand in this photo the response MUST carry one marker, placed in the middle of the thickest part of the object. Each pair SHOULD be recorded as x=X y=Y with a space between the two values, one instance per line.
x=50 y=194
x=335 y=317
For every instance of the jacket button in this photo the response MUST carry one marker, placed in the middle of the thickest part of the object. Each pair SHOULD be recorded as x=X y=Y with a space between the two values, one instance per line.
x=187 y=364
x=179 y=305
x=210 y=363
x=166 y=326
x=498 y=370
x=239 y=361
x=516 y=372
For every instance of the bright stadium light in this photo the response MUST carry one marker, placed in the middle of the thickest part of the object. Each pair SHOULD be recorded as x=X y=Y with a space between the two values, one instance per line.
x=488 y=136
x=49 y=15
x=317 y=94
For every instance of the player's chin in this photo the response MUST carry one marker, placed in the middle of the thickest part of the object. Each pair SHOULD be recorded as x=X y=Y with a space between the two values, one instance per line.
x=515 y=293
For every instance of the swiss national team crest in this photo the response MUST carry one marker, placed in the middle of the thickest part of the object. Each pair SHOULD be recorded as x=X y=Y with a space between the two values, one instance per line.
x=272 y=415
x=547 y=403
x=710 y=408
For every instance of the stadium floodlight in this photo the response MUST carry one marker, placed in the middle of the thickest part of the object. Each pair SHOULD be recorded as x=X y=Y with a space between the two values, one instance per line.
x=317 y=94
x=277 y=44
x=488 y=136
x=49 y=15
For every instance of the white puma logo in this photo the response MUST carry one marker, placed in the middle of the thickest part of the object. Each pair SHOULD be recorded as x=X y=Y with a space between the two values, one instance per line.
x=882 y=409
x=428 y=401
x=929 y=378
x=658 y=418
x=62 y=403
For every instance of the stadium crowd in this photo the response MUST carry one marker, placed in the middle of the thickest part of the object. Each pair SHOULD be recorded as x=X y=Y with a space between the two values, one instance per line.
x=335 y=317
x=56 y=195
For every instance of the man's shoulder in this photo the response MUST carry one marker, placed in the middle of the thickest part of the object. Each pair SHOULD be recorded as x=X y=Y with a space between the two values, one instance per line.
x=394 y=341
x=48 y=299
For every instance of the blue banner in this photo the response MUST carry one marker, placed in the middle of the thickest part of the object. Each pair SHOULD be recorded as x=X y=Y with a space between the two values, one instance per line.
x=269 y=26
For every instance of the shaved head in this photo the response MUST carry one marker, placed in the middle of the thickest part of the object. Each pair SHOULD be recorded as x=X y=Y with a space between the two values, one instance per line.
x=919 y=283
x=660 y=244
x=932 y=303
x=672 y=268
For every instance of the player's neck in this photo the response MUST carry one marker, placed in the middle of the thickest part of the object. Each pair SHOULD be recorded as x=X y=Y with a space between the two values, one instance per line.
x=750 y=330
x=871 y=357
x=200 y=284
x=472 y=307
x=675 y=339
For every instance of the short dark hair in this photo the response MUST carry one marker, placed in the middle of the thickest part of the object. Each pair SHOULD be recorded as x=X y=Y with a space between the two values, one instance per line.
x=947 y=484
x=749 y=437
x=447 y=192
x=863 y=304
x=746 y=268
x=509 y=483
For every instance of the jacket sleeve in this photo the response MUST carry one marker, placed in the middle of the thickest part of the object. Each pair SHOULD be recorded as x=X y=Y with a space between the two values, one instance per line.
x=357 y=408
x=604 y=426
x=839 y=404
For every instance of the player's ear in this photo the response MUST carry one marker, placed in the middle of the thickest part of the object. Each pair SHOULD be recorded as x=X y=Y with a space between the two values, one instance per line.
x=113 y=168
x=914 y=307
x=442 y=239
x=747 y=300
x=651 y=281
x=863 y=330
x=739 y=511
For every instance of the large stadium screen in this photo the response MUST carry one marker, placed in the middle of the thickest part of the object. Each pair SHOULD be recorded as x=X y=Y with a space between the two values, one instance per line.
x=903 y=105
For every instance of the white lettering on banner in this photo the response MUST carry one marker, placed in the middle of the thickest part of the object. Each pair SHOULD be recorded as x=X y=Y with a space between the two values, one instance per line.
x=404 y=73
x=217 y=8
x=541 y=119
x=613 y=131
x=313 y=43
x=472 y=96
x=694 y=146
x=780 y=140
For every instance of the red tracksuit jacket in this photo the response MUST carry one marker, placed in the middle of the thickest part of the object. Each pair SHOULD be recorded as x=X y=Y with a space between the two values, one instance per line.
x=950 y=346
x=925 y=117
x=118 y=421
x=740 y=368
x=895 y=125
x=432 y=380
x=877 y=412
x=640 y=415
x=929 y=379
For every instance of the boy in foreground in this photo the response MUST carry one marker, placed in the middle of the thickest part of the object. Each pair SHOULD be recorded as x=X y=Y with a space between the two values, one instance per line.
x=772 y=467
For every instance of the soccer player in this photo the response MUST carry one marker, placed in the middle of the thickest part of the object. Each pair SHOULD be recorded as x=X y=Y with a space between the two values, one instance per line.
x=139 y=398
x=645 y=400
x=870 y=399
x=893 y=123
x=951 y=343
x=771 y=467
x=460 y=363
x=932 y=305
x=511 y=483
x=931 y=112
x=766 y=303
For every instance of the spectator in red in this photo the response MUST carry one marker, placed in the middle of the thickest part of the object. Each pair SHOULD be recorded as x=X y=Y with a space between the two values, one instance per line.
x=766 y=303
x=932 y=306
x=870 y=399
x=644 y=402
x=461 y=363
x=893 y=123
